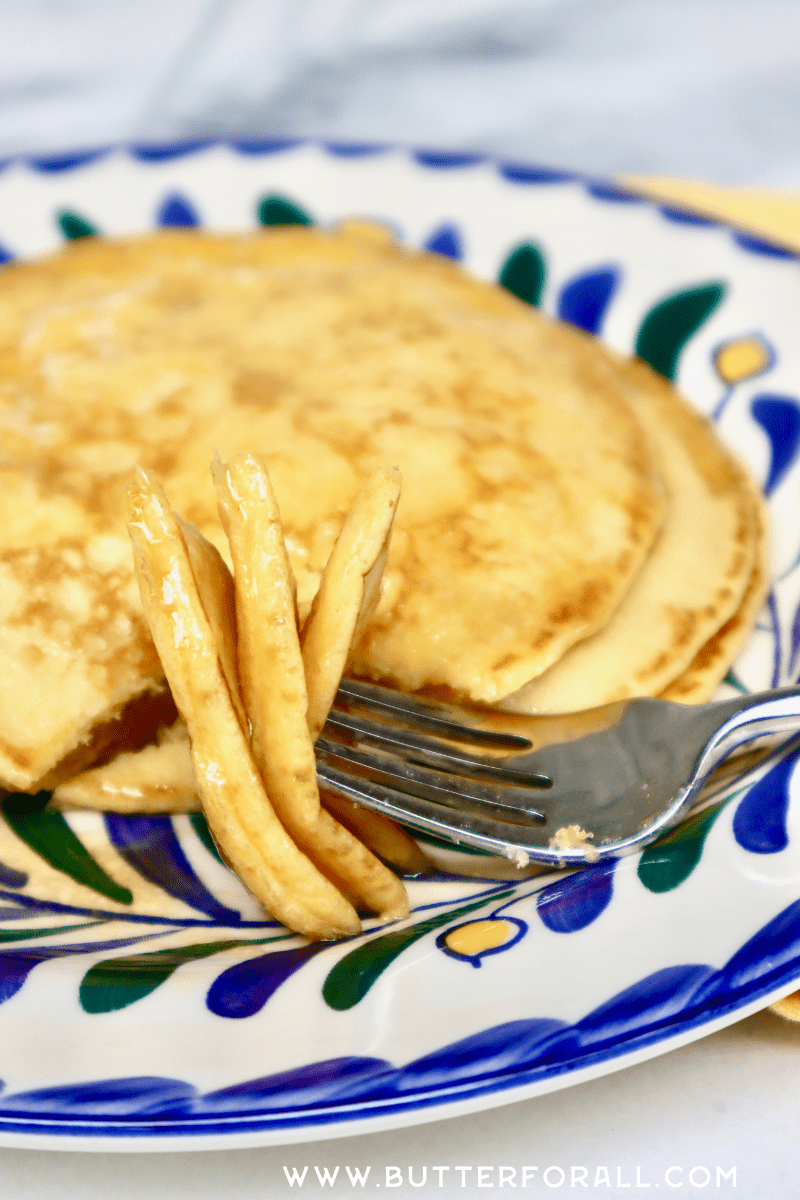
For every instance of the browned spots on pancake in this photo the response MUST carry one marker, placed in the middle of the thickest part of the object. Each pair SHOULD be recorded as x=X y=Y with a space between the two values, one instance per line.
x=165 y=462
x=582 y=605
x=684 y=623
x=507 y=660
x=563 y=614
x=178 y=296
x=258 y=389
x=713 y=647
x=708 y=655
x=332 y=355
x=176 y=404
x=22 y=759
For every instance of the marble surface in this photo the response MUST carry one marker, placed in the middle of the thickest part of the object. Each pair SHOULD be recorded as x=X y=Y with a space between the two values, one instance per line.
x=702 y=88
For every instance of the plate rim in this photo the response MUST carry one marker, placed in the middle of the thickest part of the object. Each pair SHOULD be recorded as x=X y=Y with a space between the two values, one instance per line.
x=62 y=161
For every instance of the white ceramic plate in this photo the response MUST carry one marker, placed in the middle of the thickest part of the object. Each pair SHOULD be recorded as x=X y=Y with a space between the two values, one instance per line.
x=196 y=1024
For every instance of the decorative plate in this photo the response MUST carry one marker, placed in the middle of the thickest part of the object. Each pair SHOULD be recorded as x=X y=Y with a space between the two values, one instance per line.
x=154 y=1007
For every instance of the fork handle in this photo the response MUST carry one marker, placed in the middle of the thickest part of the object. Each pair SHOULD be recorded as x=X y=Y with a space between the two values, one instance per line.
x=747 y=718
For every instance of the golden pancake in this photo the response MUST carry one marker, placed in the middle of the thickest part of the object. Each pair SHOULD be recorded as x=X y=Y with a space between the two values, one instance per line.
x=217 y=595
x=693 y=579
x=156 y=779
x=698 y=682
x=74 y=651
x=159 y=779
x=274 y=690
x=240 y=816
x=530 y=497
x=348 y=593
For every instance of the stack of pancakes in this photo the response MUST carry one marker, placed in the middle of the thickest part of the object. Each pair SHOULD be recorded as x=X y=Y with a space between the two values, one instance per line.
x=570 y=531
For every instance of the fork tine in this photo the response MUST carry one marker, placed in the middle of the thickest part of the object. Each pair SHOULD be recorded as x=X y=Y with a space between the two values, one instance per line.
x=425 y=714
x=430 y=752
x=496 y=837
x=619 y=775
x=446 y=788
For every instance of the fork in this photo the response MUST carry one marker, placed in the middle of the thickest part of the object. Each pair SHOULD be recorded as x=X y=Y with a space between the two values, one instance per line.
x=561 y=790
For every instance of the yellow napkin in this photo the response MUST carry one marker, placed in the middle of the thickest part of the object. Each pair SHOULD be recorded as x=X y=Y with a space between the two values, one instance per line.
x=788 y=1007
x=775 y=215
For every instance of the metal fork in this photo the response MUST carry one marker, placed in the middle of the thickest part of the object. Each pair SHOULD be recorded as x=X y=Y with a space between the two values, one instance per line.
x=515 y=785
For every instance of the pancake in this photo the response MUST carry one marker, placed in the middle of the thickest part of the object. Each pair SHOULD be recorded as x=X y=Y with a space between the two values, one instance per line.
x=530 y=503
x=157 y=778
x=698 y=682
x=241 y=819
x=693 y=580
x=275 y=693
x=74 y=652
x=348 y=593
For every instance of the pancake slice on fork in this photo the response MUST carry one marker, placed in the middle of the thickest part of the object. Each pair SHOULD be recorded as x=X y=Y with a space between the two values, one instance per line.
x=348 y=592
x=274 y=689
x=239 y=813
x=348 y=595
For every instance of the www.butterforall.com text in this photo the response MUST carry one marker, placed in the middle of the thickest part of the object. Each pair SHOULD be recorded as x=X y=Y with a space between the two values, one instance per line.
x=474 y=1177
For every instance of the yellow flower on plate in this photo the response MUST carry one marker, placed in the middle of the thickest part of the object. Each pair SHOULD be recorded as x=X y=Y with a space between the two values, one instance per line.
x=475 y=938
x=742 y=358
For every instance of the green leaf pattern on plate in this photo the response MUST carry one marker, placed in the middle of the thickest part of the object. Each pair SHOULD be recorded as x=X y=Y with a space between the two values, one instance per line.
x=118 y=982
x=353 y=976
x=524 y=273
x=46 y=832
x=73 y=226
x=279 y=210
x=670 y=861
x=670 y=324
